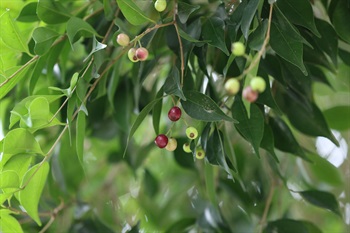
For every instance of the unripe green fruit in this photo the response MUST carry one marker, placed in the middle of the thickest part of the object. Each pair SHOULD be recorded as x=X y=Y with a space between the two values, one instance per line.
x=232 y=86
x=191 y=132
x=123 y=39
x=172 y=144
x=200 y=153
x=186 y=147
x=160 y=5
x=258 y=84
x=132 y=55
x=238 y=49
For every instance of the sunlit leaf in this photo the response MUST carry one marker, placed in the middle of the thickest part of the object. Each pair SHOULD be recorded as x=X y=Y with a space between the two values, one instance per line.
x=9 y=223
x=52 y=12
x=76 y=25
x=132 y=12
x=44 y=38
x=9 y=179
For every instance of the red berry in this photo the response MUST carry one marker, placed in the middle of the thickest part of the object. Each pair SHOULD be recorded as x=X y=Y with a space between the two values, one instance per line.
x=161 y=140
x=249 y=94
x=141 y=54
x=174 y=113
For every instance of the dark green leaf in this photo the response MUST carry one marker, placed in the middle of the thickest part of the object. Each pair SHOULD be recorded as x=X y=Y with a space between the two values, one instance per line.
x=339 y=12
x=185 y=10
x=44 y=38
x=28 y=13
x=184 y=159
x=213 y=31
x=322 y=199
x=266 y=96
x=291 y=226
x=150 y=184
x=181 y=225
x=248 y=15
x=268 y=141
x=172 y=84
x=329 y=39
x=132 y=12
x=202 y=107
x=318 y=75
x=252 y=129
x=52 y=12
x=345 y=56
x=338 y=117
x=257 y=37
x=157 y=110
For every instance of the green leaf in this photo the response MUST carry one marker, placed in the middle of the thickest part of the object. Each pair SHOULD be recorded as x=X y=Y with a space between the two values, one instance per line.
x=338 y=117
x=213 y=31
x=28 y=13
x=329 y=39
x=202 y=107
x=172 y=84
x=339 y=12
x=80 y=136
x=9 y=179
x=29 y=197
x=286 y=41
x=299 y=13
x=291 y=226
x=182 y=158
x=96 y=46
x=11 y=35
x=322 y=199
x=257 y=37
x=248 y=15
x=266 y=97
x=19 y=163
x=39 y=112
x=44 y=38
x=181 y=225
x=268 y=141
x=252 y=129
x=77 y=25
x=8 y=223
x=150 y=184
x=157 y=110
x=133 y=13
x=52 y=12
x=185 y=10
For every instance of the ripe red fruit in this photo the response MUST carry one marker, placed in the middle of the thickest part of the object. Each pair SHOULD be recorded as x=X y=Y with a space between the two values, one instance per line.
x=141 y=53
x=174 y=113
x=249 y=94
x=161 y=140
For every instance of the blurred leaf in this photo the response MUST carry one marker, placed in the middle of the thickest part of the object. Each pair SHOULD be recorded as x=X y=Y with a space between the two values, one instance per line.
x=345 y=56
x=172 y=85
x=19 y=163
x=338 y=117
x=322 y=199
x=268 y=141
x=9 y=179
x=185 y=10
x=150 y=183
x=202 y=107
x=132 y=12
x=108 y=9
x=33 y=183
x=76 y=25
x=339 y=12
x=157 y=111
x=28 y=13
x=317 y=57
x=317 y=74
x=44 y=38
x=251 y=129
x=9 y=223
x=80 y=136
x=248 y=15
x=52 y=12
x=291 y=226
x=299 y=13
x=181 y=225
x=213 y=31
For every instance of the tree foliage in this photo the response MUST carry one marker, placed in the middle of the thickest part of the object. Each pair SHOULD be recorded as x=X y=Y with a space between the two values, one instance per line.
x=78 y=118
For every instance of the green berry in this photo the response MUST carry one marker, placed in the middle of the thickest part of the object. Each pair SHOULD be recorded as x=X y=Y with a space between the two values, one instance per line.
x=238 y=49
x=172 y=144
x=258 y=84
x=200 y=153
x=123 y=39
x=186 y=147
x=160 y=5
x=191 y=132
x=232 y=86
x=132 y=55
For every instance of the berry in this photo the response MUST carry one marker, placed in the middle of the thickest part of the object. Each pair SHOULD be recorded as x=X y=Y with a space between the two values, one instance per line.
x=249 y=94
x=161 y=140
x=258 y=84
x=132 y=55
x=172 y=144
x=191 y=132
x=141 y=54
x=160 y=5
x=238 y=49
x=186 y=147
x=123 y=39
x=232 y=86
x=174 y=113
x=200 y=153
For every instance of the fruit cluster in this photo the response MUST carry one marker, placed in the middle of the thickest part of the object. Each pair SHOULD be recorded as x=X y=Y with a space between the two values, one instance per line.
x=134 y=54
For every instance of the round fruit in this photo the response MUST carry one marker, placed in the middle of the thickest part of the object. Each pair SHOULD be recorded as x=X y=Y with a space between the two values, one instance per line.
x=232 y=86
x=249 y=94
x=174 y=113
x=258 y=84
x=132 y=55
x=123 y=39
x=238 y=49
x=172 y=144
x=186 y=147
x=141 y=54
x=200 y=153
x=161 y=140
x=160 y=5
x=191 y=132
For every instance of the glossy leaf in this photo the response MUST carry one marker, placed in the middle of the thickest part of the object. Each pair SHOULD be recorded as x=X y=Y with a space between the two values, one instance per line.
x=29 y=197
x=133 y=13
x=52 y=12
x=44 y=38
x=252 y=129
x=338 y=117
x=291 y=226
x=202 y=107
x=185 y=10
x=248 y=15
x=322 y=199
x=213 y=31
x=76 y=25
x=9 y=223
x=172 y=85
x=28 y=13
x=80 y=136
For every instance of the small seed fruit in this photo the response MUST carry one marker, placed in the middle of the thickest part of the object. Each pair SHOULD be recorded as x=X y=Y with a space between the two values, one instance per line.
x=123 y=39
x=232 y=86
x=191 y=132
x=132 y=55
x=258 y=84
x=249 y=94
x=160 y=5
x=172 y=144
x=161 y=140
x=141 y=54
x=200 y=153
x=186 y=147
x=238 y=49
x=174 y=113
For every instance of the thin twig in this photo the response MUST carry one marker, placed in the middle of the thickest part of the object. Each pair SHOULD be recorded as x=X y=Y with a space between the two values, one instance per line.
x=53 y=216
x=267 y=207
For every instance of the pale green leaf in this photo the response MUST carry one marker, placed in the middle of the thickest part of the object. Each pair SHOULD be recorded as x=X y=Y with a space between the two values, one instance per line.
x=133 y=13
